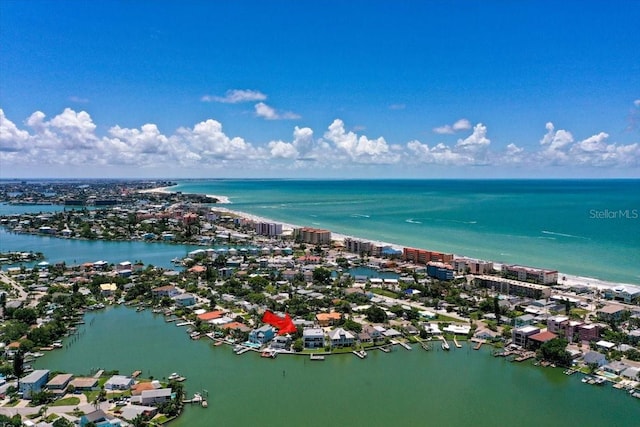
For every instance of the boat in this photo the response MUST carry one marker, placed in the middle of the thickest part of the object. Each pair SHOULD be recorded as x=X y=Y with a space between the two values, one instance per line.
x=271 y=354
x=57 y=344
x=194 y=335
x=175 y=377
x=219 y=343
x=445 y=345
x=316 y=357
x=360 y=353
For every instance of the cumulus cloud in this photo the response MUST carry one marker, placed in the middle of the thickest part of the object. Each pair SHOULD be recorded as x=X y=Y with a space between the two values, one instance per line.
x=11 y=138
x=359 y=148
x=269 y=113
x=69 y=139
x=476 y=141
x=636 y=102
x=235 y=96
x=462 y=124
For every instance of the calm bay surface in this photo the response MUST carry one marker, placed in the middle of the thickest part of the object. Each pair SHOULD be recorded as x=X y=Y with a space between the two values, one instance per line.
x=460 y=387
x=73 y=251
x=582 y=227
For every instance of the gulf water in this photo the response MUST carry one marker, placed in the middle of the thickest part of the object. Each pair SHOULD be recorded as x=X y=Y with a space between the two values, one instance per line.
x=582 y=227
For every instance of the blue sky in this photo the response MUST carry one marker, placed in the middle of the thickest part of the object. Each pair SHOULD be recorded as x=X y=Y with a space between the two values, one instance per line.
x=319 y=89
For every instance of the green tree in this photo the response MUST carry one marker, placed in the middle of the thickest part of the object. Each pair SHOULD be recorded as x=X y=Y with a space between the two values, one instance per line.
x=298 y=345
x=18 y=364
x=376 y=315
x=555 y=351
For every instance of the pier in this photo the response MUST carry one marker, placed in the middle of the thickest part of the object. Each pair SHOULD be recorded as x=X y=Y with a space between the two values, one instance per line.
x=455 y=341
x=316 y=357
x=185 y=323
x=403 y=344
x=360 y=353
x=384 y=349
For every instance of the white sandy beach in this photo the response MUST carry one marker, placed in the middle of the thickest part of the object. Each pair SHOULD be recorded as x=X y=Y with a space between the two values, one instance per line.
x=167 y=190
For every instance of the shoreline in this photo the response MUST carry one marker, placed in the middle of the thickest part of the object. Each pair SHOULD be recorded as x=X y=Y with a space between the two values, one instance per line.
x=564 y=279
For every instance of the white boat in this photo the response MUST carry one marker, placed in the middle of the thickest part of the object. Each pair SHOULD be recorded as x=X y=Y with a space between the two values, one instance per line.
x=445 y=345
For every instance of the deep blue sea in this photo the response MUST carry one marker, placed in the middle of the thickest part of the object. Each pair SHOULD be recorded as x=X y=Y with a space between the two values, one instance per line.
x=583 y=227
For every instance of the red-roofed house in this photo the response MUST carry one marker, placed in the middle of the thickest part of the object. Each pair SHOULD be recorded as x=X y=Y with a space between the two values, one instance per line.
x=536 y=340
x=211 y=315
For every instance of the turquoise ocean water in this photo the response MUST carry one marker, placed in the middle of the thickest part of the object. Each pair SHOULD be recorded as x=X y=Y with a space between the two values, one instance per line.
x=583 y=227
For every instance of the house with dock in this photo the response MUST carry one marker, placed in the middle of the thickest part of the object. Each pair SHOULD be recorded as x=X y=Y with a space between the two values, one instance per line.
x=262 y=335
x=313 y=338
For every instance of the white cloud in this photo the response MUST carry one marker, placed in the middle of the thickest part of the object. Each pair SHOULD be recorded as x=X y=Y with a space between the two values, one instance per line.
x=69 y=140
x=636 y=102
x=281 y=149
x=476 y=141
x=235 y=96
x=208 y=142
x=303 y=140
x=360 y=149
x=269 y=113
x=462 y=124
x=11 y=138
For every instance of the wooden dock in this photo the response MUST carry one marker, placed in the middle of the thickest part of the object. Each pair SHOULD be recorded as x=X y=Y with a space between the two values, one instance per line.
x=455 y=342
x=385 y=349
x=316 y=357
x=478 y=345
x=402 y=343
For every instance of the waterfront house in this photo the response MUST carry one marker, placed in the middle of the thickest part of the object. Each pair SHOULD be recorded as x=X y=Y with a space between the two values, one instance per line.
x=282 y=342
x=593 y=357
x=108 y=289
x=627 y=293
x=313 y=338
x=164 y=291
x=185 y=300
x=372 y=332
x=262 y=335
x=520 y=336
x=341 y=338
x=616 y=367
x=536 y=340
x=486 y=334
x=99 y=419
x=328 y=319
x=34 y=382
x=152 y=397
x=632 y=373
x=119 y=382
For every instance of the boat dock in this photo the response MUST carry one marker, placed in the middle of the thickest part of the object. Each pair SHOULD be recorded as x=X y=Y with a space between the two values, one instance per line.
x=185 y=323
x=316 y=357
x=524 y=356
x=360 y=353
x=242 y=350
x=385 y=349
x=403 y=344
x=455 y=342
x=478 y=345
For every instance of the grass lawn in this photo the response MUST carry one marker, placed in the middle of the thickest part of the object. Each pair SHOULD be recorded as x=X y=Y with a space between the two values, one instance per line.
x=384 y=292
x=445 y=318
x=67 y=401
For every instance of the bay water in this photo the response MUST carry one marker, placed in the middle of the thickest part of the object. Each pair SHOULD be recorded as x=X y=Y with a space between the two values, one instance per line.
x=402 y=388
